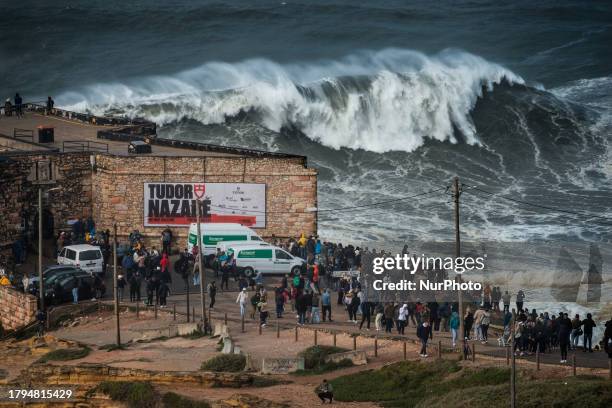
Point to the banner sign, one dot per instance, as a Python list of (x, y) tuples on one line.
[(174, 204)]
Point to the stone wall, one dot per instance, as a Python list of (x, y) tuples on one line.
[(17, 309), (19, 194), (291, 188)]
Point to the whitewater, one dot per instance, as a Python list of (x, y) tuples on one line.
[(379, 101)]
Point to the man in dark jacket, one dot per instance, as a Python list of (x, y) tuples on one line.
[(423, 334), (587, 328), (565, 328), (301, 307)]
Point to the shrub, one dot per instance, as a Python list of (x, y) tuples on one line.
[(134, 394), (172, 400), (315, 356), (225, 362), (65, 354)]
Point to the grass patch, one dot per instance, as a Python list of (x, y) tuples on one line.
[(261, 381), (113, 346), (65, 354), (173, 400), (198, 334), (443, 384), (315, 356), (326, 367), (225, 363), (133, 394)]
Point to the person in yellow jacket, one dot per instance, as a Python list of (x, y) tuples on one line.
[(302, 245), (4, 281)]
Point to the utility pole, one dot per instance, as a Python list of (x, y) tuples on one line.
[(41, 289), (201, 269), (513, 366), (456, 194), (116, 291)]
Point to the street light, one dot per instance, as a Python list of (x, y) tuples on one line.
[(41, 288)]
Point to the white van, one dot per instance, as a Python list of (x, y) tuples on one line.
[(267, 259), (213, 233), (223, 246), (85, 256)]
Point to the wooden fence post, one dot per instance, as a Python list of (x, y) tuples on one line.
[(440, 349), (376, 347), (574, 363), (335, 341), (296, 334), (354, 342), (174, 311), (405, 354), (315, 337), (474, 352)]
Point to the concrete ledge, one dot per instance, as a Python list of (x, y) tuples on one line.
[(281, 365), (358, 357), (185, 329)]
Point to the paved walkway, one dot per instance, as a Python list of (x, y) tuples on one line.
[(226, 304)]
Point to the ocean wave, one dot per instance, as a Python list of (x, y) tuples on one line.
[(381, 101)]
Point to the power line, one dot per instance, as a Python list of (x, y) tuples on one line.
[(545, 207), (378, 203)]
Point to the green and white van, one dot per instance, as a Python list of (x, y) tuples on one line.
[(267, 259), (213, 233)]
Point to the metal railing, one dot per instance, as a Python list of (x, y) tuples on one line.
[(23, 134), (84, 146)]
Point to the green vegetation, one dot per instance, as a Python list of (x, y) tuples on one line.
[(314, 360), (133, 394), (197, 334), (225, 362), (173, 400), (262, 381), (65, 354), (443, 384), (315, 356), (113, 346)]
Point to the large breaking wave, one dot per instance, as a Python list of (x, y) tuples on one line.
[(392, 99)]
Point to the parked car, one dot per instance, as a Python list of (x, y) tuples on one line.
[(48, 272), (86, 257), (61, 289)]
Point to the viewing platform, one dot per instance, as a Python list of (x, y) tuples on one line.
[(75, 132)]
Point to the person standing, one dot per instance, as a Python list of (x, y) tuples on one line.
[(389, 311), (576, 331), (75, 290), (212, 293), (506, 300), (242, 300), (314, 315), (423, 334), (379, 310), (484, 325), (166, 238), (162, 292), (18, 105), (454, 327), (565, 328), (50, 103), (401, 318), (520, 300), (326, 304), (587, 325), (120, 287), (365, 314)]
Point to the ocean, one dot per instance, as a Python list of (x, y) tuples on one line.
[(389, 100)]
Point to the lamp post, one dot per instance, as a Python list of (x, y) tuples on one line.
[(41, 285)]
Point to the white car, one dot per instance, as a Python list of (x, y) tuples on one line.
[(85, 256)]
